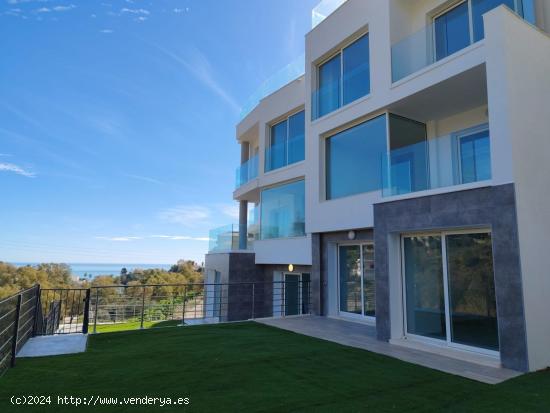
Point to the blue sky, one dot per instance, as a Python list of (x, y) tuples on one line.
[(117, 121)]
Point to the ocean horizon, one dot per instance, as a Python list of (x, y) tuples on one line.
[(92, 270)]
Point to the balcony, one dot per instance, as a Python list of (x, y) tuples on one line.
[(226, 238), (246, 172), (450, 32), (456, 159)]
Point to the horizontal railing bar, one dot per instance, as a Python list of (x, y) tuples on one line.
[(7, 342), (33, 298), (8, 354), (197, 284), (25, 323), (8, 313), (7, 328), (11, 297), (72, 289)]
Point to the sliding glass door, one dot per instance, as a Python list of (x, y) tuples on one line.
[(357, 284), (449, 288), (424, 290), (472, 302)]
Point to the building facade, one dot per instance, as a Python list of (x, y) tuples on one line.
[(403, 178)]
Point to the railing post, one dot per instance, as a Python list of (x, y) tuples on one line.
[(95, 309), (86, 320), (36, 310), (142, 307), (253, 296), (183, 312), (15, 330)]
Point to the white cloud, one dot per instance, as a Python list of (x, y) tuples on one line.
[(6, 154), (199, 66), (178, 11), (180, 237), (26, 1), (165, 237), (134, 11), (64, 8), (187, 215), (106, 31), (119, 239), (10, 167), (43, 10), (145, 179)]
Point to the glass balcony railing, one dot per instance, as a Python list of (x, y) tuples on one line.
[(226, 238), (287, 74), (332, 96), (443, 38), (324, 9), (246, 172), (437, 163), (286, 153)]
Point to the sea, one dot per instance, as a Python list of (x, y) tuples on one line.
[(83, 270)]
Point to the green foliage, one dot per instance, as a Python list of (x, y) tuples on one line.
[(14, 279)]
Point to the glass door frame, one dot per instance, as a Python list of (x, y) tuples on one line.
[(346, 314), (447, 342)]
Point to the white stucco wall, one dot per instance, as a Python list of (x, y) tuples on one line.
[(518, 68), (295, 251)]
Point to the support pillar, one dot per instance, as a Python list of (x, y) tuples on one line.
[(243, 227)]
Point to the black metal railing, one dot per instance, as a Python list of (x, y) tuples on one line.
[(157, 305), (36, 311), (17, 320), (63, 311)]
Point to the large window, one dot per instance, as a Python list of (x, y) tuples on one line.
[(343, 79), (462, 24), (283, 211), (450, 288), (353, 159), (286, 144)]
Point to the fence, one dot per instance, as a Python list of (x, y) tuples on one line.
[(36, 311), (17, 319), (114, 308)]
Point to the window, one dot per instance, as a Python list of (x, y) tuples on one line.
[(462, 25), (475, 157), (454, 302), (407, 167), (283, 211), (343, 79), (329, 86), (480, 7), (286, 144), (353, 159), (452, 31)]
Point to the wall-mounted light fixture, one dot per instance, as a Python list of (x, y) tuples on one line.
[(351, 235), (290, 267)]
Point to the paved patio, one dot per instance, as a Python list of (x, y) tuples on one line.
[(54, 345), (363, 336)]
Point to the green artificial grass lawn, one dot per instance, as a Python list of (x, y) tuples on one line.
[(134, 325), (251, 367)]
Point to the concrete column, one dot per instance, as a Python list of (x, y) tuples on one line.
[(243, 227), (245, 151)]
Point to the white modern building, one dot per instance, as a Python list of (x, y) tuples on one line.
[(405, 179)]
